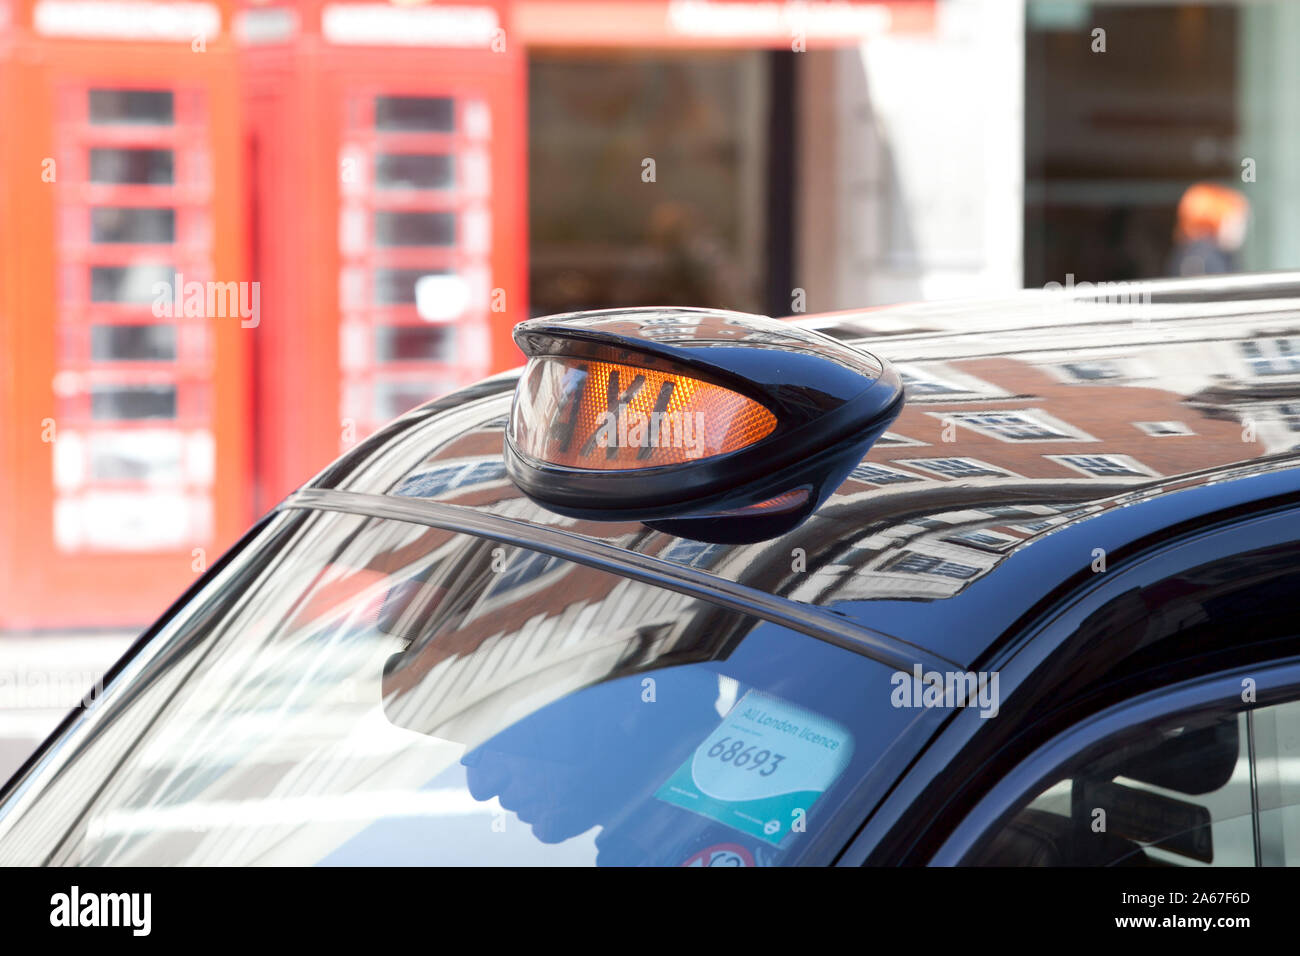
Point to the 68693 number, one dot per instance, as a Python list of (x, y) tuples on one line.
[(738, 755)]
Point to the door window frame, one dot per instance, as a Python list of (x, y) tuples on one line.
[(1128, 722), (888, 834)]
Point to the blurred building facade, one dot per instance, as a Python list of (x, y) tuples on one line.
[(348, 205)]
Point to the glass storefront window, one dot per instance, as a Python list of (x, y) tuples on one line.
[(132, 107), (131, 167), (132, 224), (132, 343), (413, 171), (129, 402), (415, 114), (418, 343), (415, 228)]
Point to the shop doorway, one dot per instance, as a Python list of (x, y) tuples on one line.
[(661, 179)]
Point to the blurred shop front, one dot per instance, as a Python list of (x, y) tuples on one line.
[(669, 153), (338, 204), (1129, 105), (805, 156)]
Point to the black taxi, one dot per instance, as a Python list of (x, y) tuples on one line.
[(1009, 582)]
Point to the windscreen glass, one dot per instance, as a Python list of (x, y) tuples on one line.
[(363, 691)]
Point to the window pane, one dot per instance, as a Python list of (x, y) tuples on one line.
[(1180, 796), (414, 343), (451, 479), (1277, 756), (413, 171), (127, 402), (695, 240), (415, 228), (397, 286), (1012, 426), (132, 343), (134, 167), (153, 107), (408, 695), (397, 398), (128, 284), (132, 224), (881, 475), (136, 456), (415, 114), (911, 562), (1092, 371)]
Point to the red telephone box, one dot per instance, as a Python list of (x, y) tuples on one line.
[(236, 238), (127, 466), (390, 220), (331, 195)]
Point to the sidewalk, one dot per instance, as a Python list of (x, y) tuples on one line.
[(43, 676)]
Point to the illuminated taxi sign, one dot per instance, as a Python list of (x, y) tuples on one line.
[(607, 416), (707, 419)]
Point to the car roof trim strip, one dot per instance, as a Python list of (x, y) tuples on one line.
[(809, 620)]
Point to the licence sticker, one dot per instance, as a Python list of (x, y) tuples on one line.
[(762, 769)]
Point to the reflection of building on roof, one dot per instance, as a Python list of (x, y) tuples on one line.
[(937, 382), (439, 480), (1105, 466), (1007, 434), (1100, 423), (956, 467), (1030, 424), (919, 558), (874, 474)]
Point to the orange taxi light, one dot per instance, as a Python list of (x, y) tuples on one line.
[(605, 416)]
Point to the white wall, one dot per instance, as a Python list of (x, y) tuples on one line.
[(912, 156), (1269, 71)]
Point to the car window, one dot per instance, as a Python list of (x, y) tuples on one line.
[(1277, 768), (358, 690), (1219, 789)]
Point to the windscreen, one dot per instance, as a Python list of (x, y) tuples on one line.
[(361, 691)]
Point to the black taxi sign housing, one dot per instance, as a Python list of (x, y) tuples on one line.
[(704, 420)]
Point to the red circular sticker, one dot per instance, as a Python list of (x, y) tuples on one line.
[(722, 854)]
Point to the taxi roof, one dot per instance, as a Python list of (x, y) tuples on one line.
[(1037, 428)]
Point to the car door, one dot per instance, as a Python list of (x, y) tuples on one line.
[(1200, 774), (1217, 604)]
